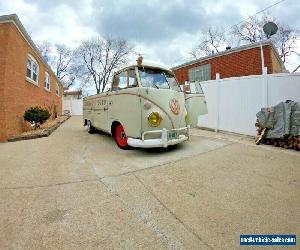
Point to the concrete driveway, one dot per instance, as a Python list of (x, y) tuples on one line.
[(74, 190)]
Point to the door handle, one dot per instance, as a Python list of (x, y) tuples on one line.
[(110, 103)]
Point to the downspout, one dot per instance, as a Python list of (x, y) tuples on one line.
[(262, 58)]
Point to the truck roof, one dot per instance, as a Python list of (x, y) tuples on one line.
[(146, 65)]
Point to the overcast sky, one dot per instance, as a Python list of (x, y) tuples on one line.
[(164, 30)]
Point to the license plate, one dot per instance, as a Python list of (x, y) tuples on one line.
[(172, 135)]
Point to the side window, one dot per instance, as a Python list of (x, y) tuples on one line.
[(132, 82), (32, 69), (201, 73), (47, 81), (120, 81)]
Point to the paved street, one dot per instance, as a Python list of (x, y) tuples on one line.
[(74, 190)]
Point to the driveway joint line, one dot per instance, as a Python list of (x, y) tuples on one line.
[(111, 176), (49, 185), (163, 164), (161, 235), (172, 213)]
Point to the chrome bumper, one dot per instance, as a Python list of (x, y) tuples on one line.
[(161, 142)]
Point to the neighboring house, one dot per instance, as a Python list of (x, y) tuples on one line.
[(72, 102), (233, 62), (72, 94), (26, 79)]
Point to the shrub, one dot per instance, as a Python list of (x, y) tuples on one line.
[(36, 115)]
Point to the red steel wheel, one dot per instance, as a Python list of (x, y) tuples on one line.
[(121, 137)]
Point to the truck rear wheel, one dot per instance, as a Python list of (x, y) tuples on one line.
[(120, 137), (90, 127)]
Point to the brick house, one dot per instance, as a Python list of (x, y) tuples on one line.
[(26, 79), (241, 61)]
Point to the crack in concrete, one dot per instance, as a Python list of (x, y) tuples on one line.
[(165, 163), (172, 213), (48, 185), (140, 216), (99, 177), (144, 218)]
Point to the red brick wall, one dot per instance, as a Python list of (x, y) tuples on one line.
[(3, 48), (19, 94), (242, 63)]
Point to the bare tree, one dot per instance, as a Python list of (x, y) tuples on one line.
[(298, 67), (212, 40), (97, 58), (250, 31), (64, 65), (61, 59), (284, 40), (45, 49)]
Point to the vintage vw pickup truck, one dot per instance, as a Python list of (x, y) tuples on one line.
[(145, 107)]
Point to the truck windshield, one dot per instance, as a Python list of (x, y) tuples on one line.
[(157, 78)]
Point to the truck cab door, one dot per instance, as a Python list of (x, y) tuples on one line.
[(101, 114), (124, 103), (195, 103)]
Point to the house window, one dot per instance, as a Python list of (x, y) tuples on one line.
[(47, 81), (32, 70), (199, 74), (57, 89)]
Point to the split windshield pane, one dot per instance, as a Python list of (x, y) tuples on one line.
[(157, 78)]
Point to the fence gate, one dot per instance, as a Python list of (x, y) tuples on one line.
[(74, 107)]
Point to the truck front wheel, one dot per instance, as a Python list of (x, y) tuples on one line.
[(120, 137), (90, 127)]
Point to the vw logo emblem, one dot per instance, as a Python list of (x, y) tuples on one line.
[(174, 106)]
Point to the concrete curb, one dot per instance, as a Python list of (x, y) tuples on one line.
[(44, 133)]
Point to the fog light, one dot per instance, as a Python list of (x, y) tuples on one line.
[(154, 119)]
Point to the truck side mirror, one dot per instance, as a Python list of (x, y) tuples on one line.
[(186, 87)]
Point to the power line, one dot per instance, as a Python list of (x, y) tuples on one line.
[(245, 19), (268, 7)]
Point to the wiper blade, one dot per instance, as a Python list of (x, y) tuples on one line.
[(155, 85)]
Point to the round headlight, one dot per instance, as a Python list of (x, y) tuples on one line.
[(154, 119)]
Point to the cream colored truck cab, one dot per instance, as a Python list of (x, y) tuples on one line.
[(195, 102), (144, 107)]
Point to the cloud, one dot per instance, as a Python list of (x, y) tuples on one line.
[(164, 30), (154, 21)]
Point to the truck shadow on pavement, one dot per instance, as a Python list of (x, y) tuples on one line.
[(160, 150), (103, 153)]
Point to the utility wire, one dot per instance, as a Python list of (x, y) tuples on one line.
[(268, 7), (243, 20)]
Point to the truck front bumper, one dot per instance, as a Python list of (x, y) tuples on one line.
[(164, 141)]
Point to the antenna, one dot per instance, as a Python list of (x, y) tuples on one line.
[(270, 29)]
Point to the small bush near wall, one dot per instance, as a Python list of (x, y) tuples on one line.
[(36, 115)]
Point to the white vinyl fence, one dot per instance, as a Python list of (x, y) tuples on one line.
[(233, 102), (74, 106)]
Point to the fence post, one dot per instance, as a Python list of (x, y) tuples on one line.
[(218, 102)]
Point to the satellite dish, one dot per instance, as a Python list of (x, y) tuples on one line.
[(270, 29)]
